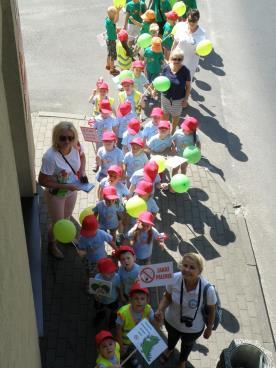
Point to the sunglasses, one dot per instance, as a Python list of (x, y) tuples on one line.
[(177, 59), (192, 21), (64, 138)]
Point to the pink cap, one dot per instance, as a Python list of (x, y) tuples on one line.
[(110, 193), (138, 141), (105, 106), (164, 124), (143, 187), (138, 64), (146, 217), (157, 112), (106, 265), (189, 124), (123, 35), (115, 169), (102, 335), (133, 126), (137, 288), (124, 248), (171, 15), (127, 81), (124, 109), (89, 226), (103, 85), (150, 171), (109, 136)]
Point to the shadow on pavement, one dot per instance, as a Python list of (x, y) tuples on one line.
[(229, 322), (214, 63)]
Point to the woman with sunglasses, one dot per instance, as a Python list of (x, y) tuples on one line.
[(181, 308), (187, 38), (176, 97), (62, 164)]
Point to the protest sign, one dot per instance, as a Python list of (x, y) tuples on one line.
[(100, 287), (147, 341), (174, 161), (156, 274), (89, 134)]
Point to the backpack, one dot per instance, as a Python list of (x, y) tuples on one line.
[(218, 310)]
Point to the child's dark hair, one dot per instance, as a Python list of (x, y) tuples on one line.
[(136, 233), (193, 15), (128, 50)]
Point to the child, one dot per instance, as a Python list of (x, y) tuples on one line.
[(108, 155), (108, 350), (114, 178), (132, 95), (140, 80), (167, 39), (129, 315), (142, 235), (111, 37), (133, 131), (148, 173), (161, 143), (92, 243), (154, 58), (154, 30), (104, 121), (160, 7), (107, 304), (134, 10), (128, 271), (124, 114), (99, 95), (124, 53), (148, 17), (135, 159), (151, 128), (109, 211), (184, 137), (144, 190)]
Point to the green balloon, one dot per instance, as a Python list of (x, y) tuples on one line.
[(180, 183), (144, 40), (161, 84), (64, 231), (192, 154), (172, 2), (135, 206), (126, 74)]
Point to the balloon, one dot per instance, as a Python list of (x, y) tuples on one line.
[(119, 3), (161, 84), (125, 74), (161, 162), (192, 154), (178, 27), (144, 40), (135, 206), (86, 212), (179, 8), (64, 231), (180, 183), (204, 48)]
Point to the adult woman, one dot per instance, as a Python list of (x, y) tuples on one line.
[(182, 303), (176, 98), (187, 38), (62, 164)]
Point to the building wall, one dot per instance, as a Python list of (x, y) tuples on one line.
[(19, 345)]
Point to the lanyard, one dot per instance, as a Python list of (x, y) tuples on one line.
[(198, 299)]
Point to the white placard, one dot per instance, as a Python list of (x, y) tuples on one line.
[(158, 274), (100, 287), (89, 134), (174, 161), (147, 341)]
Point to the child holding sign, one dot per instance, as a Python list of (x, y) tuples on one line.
[(108, 350)]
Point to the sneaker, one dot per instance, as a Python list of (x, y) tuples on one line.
[(54, 251)]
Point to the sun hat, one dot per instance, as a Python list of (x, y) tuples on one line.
[(109, 136), (189, 124), (138, 64), (106, 265), (143, 187), (171, 15), (127, 81), (156, 44), (157, 112), (89, 226), (138, 141), (103, 85), (110, 193), (136, 287), (124, 248), (133, 126), (164, 124), (105, 106), (150, 171), (148, 16), (146, 217), (102, 335), (123, 35), (124, 109), (115, 169)]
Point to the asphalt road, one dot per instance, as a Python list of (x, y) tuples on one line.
[(233, 96)]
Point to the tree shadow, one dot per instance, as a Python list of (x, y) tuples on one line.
[(214, 63), (229, 322)]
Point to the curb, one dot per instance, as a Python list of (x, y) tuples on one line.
[(60, 115)]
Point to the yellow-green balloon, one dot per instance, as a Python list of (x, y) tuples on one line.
[(161, 84), (86, 212), (179, 8), (126, 74), (64, 231), (135, 206), (144, 40), (161, 162), (180, 183), (204, 48), (119, 3), (192, 154)]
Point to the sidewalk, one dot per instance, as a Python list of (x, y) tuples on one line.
[(203, 221)]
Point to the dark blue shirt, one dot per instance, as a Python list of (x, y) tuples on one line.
[(177, 89)]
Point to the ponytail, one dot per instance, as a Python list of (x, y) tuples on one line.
[(127, 48)]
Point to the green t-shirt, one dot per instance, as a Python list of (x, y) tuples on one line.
[(145, 28), (135, 10), (167, 40), (110, 27), (160, 5), (153, 60)]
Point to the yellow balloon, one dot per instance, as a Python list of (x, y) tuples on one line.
[(179, 8), (204, 48), (177, 27), (119, 3), (86, 212), (161, 162)]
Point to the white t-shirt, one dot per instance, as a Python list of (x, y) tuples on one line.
[(189, 304), (187, 42)]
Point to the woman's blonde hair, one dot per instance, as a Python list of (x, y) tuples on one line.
[(63, 125), (177, 53), (194, 257)]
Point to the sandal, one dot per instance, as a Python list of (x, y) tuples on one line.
[(107, 67), (165, 356), (114, 72)]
